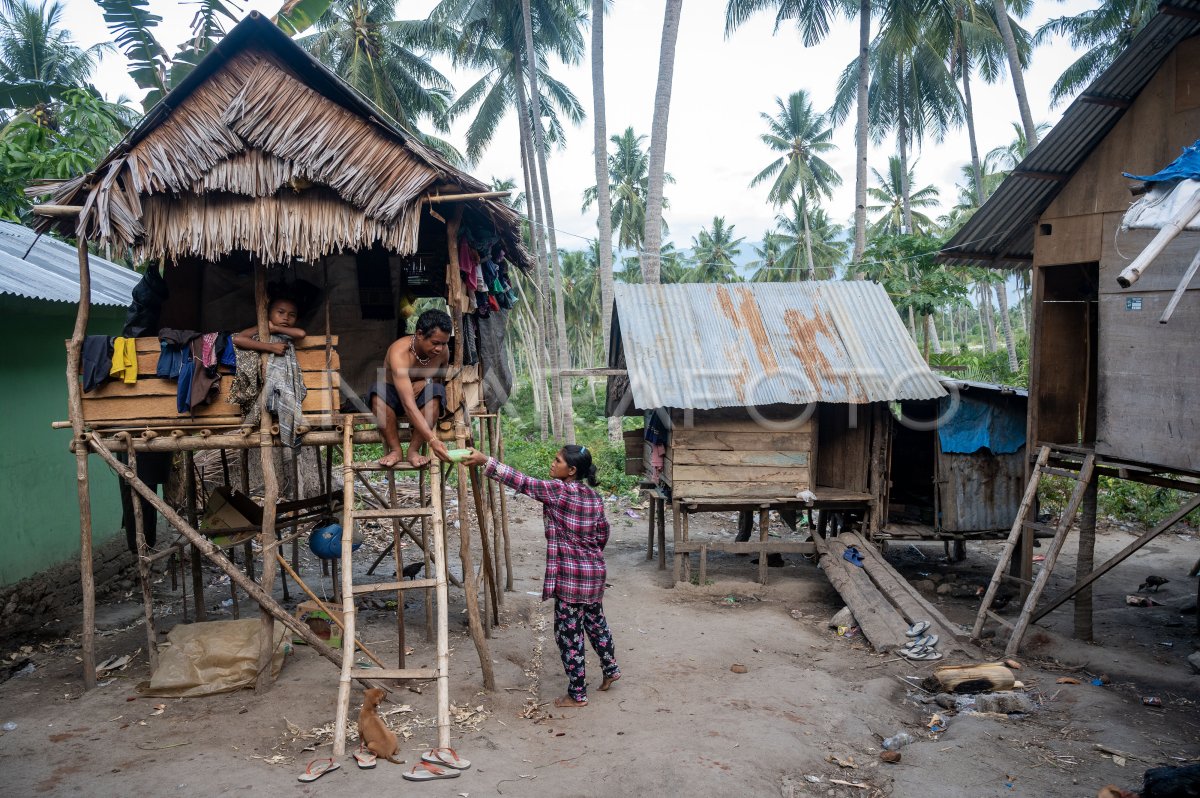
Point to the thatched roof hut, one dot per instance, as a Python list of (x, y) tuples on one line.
[(262, 149)]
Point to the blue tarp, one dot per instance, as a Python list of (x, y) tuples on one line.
[(977, 425), (1185, 167)]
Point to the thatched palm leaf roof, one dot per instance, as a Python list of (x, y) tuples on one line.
[(261, 149)]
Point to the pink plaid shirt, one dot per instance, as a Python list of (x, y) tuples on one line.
[(576, 533)]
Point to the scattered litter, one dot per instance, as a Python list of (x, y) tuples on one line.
[(855, 784), (633, 514), (738, 667), (113, 664), (1039, 558), (937, 724), (1067, 680), (1152, 701), (1166, 644), (1099, 681), (1141, 601), (813, 779), (158, 709), (847, 763), (1013, 664), (891, 757), (897, 741), (9, 726)]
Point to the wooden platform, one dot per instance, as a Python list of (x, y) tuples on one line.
[(884, 604)]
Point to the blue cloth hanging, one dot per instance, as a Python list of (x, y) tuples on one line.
[(1185, 167)]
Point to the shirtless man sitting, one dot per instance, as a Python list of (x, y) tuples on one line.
[(414, 368)]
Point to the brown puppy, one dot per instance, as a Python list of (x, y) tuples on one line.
[(373, 732)]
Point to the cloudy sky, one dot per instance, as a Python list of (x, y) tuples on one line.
[(721, 86)]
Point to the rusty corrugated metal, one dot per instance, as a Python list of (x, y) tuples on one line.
[(1001, 232), (702, 346)]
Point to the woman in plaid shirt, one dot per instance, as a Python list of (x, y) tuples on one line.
[(576, 534)]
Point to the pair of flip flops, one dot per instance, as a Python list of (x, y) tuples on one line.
[(922, 647), (853, 556), (438, 763)]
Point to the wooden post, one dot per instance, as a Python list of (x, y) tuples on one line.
[(442, 555), (349, 610), (764, 526), (247, 549), (489, 573), (266, 538), (87, 581), (651, 523), (143, 563), (197, 570), (508, 566), (431, 473), (662, 534), (676, 512), (1086, 559), (455, 399), (397, 555)]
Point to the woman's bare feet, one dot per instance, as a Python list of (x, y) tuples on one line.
[(608, 681), (566, 701), (391, 459)]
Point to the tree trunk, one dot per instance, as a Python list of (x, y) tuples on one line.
[(905, 203), (1018, 75), (811, 273), (925, 337), (989, 321), (1006, 325), (562, 350), (652, 246), (537, 234), (931, 336), (1085, 559), (603, 200), (969, 111), (860, 137)]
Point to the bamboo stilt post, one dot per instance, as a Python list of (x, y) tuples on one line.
[(494, 509), (247, 549), (489, 573), (295, 496), (218, 558), (454, 399), (87, 581), (197, 570), (266, 537), (349, 612), (508, 566), (1086, 559), (397, 530), (143, 566), (432, 473), (233, 594), (442, 556), (764, 527)]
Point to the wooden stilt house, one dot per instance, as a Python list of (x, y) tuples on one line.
[(1111, 388), (763, 396), (263, 167)]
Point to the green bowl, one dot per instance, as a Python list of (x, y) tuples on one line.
[(458, 455)]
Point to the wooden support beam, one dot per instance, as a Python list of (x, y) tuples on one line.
[(58, 211), (1176, 11), (266, 538), (434, 198), (1119, 557), (87, 580)]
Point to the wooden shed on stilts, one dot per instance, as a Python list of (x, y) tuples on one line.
[(1112, 373), (262, 166)]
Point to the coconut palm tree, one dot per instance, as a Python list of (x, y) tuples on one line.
[(1016, 69), (825, 238), (713, 253), (1008, 156), (813, 18), (674, 267), (889, 197), (766, 263), (38, 58), (1102, 33), (629, 187), (799, 135), (385, 59), (658, 141)]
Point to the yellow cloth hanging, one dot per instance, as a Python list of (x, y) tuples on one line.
[(124, 363)]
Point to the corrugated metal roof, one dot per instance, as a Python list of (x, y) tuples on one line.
[(704, 346), (51, 270), (1002, 230)]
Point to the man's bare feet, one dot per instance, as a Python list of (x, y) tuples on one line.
[(608, 681), (415, 458), (565, 701), (391, 459)]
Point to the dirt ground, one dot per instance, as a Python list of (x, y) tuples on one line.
[(678, 723)]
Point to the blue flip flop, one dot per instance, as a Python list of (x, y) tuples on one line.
[(853, 555)]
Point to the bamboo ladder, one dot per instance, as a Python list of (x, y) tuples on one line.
[(1042, 467), (431, 515)]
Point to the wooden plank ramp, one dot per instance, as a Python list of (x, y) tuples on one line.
[(884, 604)]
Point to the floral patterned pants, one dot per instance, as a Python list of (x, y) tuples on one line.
[(571, 622)]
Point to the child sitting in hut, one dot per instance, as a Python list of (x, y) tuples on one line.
[(284, 382)]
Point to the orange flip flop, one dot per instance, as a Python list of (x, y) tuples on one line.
[(317, 768), (424, 771), (447, 757)]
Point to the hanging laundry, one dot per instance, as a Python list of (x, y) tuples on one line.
[(183, 392), (97, 360), (243, 392), (228, 356), (124, 360), (170, 360), (468, 264), (148, 297), (208, 349), (205, 379)]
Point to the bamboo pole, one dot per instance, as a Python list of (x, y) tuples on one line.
[(349, 610), (508, 565), (218, 557), (266, 537), (433, 198), (485, 555), (1177, 295), (197, 570), (1165, 236), (398, 531), (433, 473), (455, 399), (144, 573), (442, 556), (87, 581)]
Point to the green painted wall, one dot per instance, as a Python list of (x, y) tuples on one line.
[(40, 524)]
